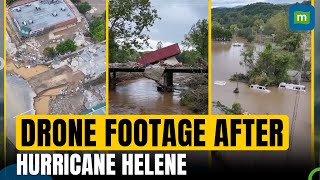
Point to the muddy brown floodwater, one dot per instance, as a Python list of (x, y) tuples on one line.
[(140, 96), (225, 62)]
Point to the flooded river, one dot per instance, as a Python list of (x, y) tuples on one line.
[(225, 62), (140, 96)]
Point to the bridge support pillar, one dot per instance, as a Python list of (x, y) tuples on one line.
[(168, 81), (114, 75), (112, 79)]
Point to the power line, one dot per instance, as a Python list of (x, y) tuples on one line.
[(296, 103)]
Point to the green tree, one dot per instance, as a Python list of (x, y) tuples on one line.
[(49, 52), (128, 19), (280, 26), (258, 23), (234, 29), (198, 38), (83, 7), (297, 59), (98, 28), (189, 57), (292, 42), (248, 60), (270, 68), (10, 1), (66, 46), (236, 108)]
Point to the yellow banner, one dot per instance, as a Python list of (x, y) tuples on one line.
[(152, 132)]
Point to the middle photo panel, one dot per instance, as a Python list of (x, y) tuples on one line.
[(158, 57)]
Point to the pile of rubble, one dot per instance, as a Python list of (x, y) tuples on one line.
[(11, 47), (95, 96), (89, 60), (156, 71)]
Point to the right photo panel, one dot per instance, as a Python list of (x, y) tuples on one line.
[(260, 66)]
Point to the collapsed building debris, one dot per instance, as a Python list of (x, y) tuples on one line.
[(154, 72), (55, 78), (96, 96), (11, 47), (89, 60)]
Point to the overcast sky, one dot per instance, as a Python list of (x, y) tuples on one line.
[(233, 3), (177, 17)]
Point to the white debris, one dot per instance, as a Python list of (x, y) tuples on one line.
[(62, 63), (79, 39), (220, 83), (92, 49), (11, 48), (74, 63), (92, 10), (91, 61), (52, 36), (171, 61)]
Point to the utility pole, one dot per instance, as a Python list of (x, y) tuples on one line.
[(296, 103)]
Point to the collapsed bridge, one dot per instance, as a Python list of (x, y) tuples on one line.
[(157, 65)]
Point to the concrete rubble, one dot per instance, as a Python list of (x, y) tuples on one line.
[(154, 72), (91, 61), (92, 10), (80, 39), (171, 62), (11, 47), (28, 53), (96, 96)]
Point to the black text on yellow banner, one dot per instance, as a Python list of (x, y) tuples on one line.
[(152, 132)]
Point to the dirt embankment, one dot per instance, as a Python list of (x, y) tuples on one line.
[(48, 84)]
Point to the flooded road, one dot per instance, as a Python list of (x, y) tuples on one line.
[(225, 62), (140, 96)]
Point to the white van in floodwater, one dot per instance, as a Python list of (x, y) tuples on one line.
[(220, 83), (295, 87), (260, 88)]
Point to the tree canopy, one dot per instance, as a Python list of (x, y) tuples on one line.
[(129, 19), (98, 28), (128, 22), (198, 38), (251, 20)]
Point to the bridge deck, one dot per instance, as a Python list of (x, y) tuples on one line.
[(173, 70)]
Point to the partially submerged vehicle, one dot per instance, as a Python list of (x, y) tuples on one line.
[(220, 83), (295, 87), (259, 88), (236, 44)]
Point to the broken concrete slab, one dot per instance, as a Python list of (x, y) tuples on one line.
[(154, 72)]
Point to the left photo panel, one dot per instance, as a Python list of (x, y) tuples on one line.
[(55, 60), (2, 159)]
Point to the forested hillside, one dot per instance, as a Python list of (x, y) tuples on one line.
[(247, 20)]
